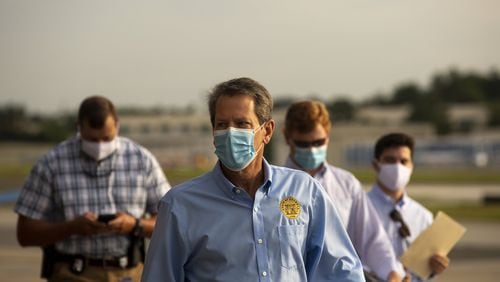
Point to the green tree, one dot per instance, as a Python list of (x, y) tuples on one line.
[(55, 129), (455, 87), (408, 93), (342, 110), (430, 108), (494, 114), (491, 87), (13, 119)]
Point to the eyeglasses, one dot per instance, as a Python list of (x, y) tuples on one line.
[(404, 231), (307, 144)]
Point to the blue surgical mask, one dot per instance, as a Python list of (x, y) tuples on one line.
[(234, 147), (310, 158)]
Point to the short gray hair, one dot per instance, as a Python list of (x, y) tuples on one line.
[(242, 86)]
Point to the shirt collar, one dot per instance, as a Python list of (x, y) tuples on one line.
[(387, 199), (228, 187), (268, 176)]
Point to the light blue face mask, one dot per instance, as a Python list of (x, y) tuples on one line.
[(234, 147), (310, 158)]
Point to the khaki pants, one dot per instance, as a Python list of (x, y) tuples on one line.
[(94, 273)]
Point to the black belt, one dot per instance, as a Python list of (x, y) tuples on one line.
[(120, 262)]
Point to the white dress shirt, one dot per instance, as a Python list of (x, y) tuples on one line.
[(359, 218), (416, 217)]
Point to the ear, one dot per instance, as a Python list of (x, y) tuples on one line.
[(269, 127), (117, 127), (375, 165), (283, 133)]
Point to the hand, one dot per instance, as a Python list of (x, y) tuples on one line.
[(123, 223), (439, 263), (393, 277), (87, 224), (407, 278)]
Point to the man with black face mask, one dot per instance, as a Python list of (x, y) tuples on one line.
[(91, 200), (403, 218), (247, 220)]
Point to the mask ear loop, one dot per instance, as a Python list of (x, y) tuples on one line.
[(78, 131), (262, 143)]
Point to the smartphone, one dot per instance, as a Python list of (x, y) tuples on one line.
[(105, 218)]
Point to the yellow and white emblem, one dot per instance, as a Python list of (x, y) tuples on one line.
[(290, 207)]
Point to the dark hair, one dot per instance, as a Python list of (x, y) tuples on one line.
[(303, 117), (392, 140), (95, 110), (242, 86)]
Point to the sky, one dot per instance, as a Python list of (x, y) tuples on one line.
[(147, 53)]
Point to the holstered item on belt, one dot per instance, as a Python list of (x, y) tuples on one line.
[(77, 265), (136, 251), (48, 261)]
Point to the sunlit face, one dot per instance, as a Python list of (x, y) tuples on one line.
[(105, 134), (236, 111), (395, 155), (315, 138), (239, 112)]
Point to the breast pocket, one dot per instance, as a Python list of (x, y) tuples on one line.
[(292, 245)]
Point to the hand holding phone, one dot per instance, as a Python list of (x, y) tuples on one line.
[(105, 218)]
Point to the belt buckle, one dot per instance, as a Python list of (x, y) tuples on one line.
[(123, 262)]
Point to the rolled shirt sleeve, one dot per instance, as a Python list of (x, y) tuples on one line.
[(370, 239), (332, 256)]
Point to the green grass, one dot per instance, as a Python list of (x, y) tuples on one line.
[(365, 175), (13, 176), (18, 170), (178, 175), (488, 212)]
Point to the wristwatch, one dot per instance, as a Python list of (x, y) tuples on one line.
[(138, 229)]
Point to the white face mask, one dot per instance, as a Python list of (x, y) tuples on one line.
[(99, 150), (394, 176)]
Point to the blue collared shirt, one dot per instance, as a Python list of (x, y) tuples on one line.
[(209, 230), (416, 216), (360, 219)]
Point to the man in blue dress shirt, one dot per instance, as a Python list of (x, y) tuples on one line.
[(247, 220), (403, 218)]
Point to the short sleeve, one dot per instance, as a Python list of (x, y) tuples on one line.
[(36, 197), (157, 184)]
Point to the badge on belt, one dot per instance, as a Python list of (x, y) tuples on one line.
[(290, 207)]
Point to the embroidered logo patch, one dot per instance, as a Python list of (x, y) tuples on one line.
[(290, 207)]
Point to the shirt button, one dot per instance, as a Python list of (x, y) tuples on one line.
[(264, 273), (260, 241), (255, 209), (237, 191)]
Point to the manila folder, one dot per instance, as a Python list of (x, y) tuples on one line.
[(438, 238)]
